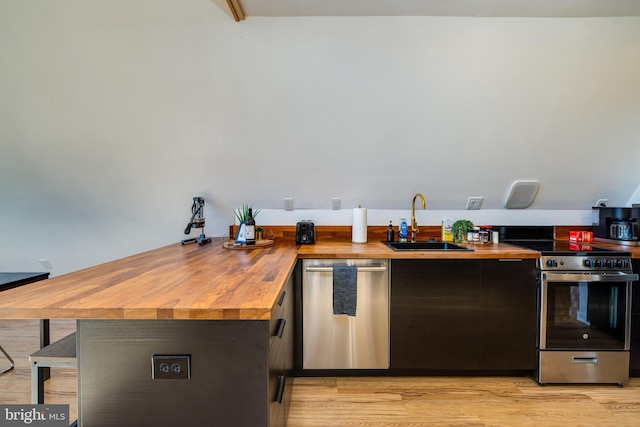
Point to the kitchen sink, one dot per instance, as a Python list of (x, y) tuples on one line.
[(425, 246)]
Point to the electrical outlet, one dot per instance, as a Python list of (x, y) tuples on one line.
[(335, 204), (177, 367), (601, 203), (288, 204), (474, 203)]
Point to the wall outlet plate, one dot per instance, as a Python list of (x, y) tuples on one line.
[(288, 204), (474, 203), (335, 204), (601, 203), (171, 367)]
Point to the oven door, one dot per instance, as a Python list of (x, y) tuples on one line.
[(585, 311)]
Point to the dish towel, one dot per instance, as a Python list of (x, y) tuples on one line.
[(345, 289)]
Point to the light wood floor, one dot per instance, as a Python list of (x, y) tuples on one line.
[(20, 338), (376, 402)]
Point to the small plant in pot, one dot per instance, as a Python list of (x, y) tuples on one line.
[(242, 214), (460, 228)]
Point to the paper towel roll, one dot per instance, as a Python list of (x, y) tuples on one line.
[(359, 226)]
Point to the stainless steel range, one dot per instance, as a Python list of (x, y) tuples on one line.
[(584, 300)]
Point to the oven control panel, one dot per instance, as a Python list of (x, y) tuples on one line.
[(588, 263)]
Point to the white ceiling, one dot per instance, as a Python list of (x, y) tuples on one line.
[(480, 8)]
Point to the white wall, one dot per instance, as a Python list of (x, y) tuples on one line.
[(115, 113)]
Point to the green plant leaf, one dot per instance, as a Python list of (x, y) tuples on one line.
[(243, 213), (460, 228)]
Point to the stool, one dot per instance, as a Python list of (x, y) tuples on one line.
[(8, 358), (61, 353)]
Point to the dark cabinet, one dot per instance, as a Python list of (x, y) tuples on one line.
[(434, 314), (508, 315), (281, 356), (463, 315), (634, 361)]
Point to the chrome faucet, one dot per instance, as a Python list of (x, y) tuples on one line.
[(414, 225)]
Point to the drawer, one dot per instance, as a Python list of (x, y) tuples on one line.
[(277, 384), (284, 301), (278, 405), (279, 316)]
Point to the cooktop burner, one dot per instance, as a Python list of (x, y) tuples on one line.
[(565, 248)]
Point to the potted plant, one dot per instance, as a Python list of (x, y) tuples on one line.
[(243, 213), (460, 228)]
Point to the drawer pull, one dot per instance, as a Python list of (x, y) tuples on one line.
[(329, 268), (281, 299), (281, 381), (281, 324), (585, 360)]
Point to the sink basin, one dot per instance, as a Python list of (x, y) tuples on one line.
[(425, 246)]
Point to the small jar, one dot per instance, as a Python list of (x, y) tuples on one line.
[(476, 235), (469, 235), (490, 232), (484, 235)]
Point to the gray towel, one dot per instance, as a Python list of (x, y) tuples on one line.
[(345, 289)]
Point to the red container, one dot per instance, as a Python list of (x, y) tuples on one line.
[(580, 236)]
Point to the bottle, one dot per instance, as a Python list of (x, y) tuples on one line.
[(390, 233), (251, 229), (447, 230), (403, 230)]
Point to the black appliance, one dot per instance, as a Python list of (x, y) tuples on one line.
[(584, 309), (305, 232), (616, 225)]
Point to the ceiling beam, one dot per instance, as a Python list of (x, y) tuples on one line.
[(236, 10)]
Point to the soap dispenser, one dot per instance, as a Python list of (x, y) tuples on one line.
[(390, 233)]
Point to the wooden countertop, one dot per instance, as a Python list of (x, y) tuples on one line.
[(201, 281), (377, 249), (172, 282)]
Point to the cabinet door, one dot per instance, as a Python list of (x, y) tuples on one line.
[(508, 315), (434, 314), (634, 361), (281, 356)]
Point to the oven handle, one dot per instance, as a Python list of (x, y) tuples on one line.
[(588, 277)]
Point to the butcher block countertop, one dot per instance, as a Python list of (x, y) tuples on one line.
[(378, 249), (173, 282), (198, 281)]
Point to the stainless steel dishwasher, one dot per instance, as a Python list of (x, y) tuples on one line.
[(339, 341)]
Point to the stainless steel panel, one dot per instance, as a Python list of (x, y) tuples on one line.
[(617, 276), (340, 341), (583, 367)]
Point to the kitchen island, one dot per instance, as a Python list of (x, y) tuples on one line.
[(227, 316), (180, 335)]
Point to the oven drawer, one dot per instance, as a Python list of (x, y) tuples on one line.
[(583, 367)]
